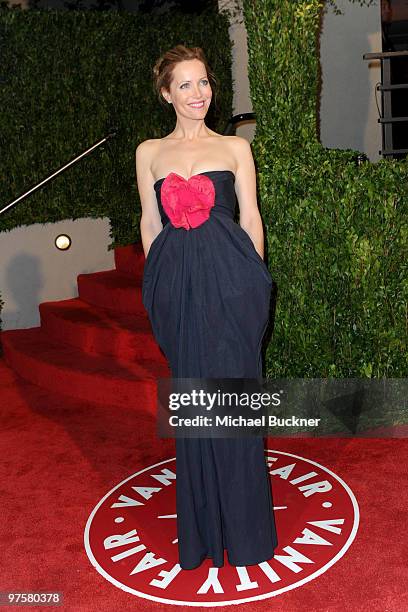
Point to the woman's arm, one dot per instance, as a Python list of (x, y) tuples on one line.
[(150, 221), (245, 187)]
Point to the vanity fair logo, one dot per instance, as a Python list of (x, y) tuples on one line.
[(131, 536)]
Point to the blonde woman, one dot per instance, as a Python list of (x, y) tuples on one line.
[(207, 290)]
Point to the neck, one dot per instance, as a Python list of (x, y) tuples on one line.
[(190, 130)]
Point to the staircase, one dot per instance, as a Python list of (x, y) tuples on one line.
[(98, 347)]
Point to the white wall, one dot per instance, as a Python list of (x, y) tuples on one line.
[(33, 270), (348, 111), (241, 102)]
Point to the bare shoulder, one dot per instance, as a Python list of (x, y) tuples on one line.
[(238, 143), (144, 154), (146, 145), (239, 149)]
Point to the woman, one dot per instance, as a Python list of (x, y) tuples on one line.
[(206, 290)]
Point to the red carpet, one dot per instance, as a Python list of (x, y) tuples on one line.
[(62, 454)]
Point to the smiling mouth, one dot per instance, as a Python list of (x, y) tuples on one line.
[(197, 104)]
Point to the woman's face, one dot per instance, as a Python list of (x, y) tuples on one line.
[(190, 90)]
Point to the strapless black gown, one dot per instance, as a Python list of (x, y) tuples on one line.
[(207, 294)]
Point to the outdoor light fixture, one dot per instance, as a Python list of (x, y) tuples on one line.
[(63, 242)]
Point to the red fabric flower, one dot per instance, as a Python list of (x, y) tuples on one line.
[(187, 202)]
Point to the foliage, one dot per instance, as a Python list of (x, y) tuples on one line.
[(336, 230)]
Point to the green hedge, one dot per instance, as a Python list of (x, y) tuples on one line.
[(336, 231), (69, 76)]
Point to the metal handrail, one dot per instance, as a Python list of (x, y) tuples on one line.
[(112, 134), (235, 119), (386, 87), (384, 54)]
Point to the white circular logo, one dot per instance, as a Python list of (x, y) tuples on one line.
[(131, 536)]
